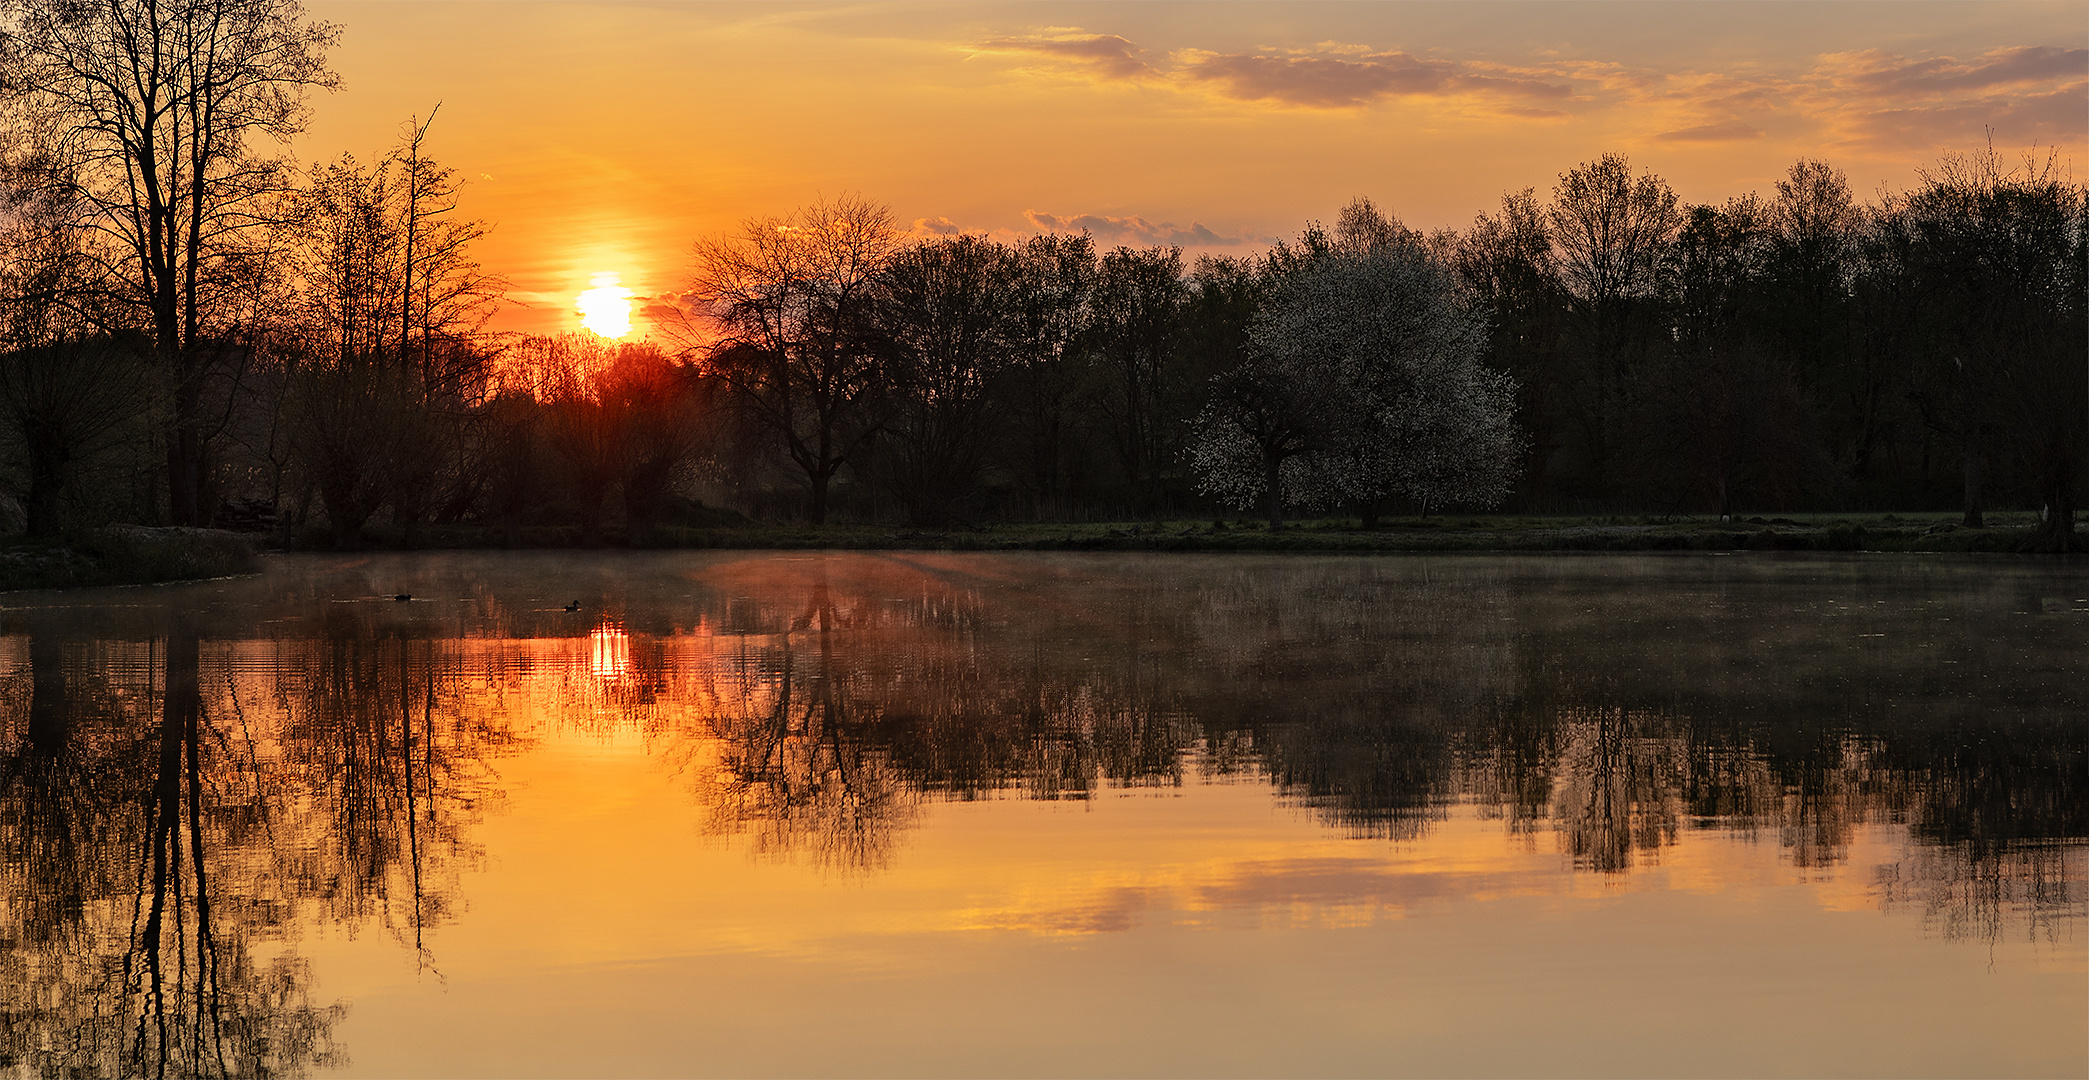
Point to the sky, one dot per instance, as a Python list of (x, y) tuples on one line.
[(602, 139)]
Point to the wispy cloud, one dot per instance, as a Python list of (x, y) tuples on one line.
[(1333, 81), (1330, 75), (1106, 54), (2023, 93), (1135, 230), (1871, 98), (1883, 73), (1726, 131)]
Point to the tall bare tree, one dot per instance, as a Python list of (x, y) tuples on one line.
[(153, 110), (1614, 236)]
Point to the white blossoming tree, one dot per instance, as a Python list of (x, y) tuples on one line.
[(1365, 386)]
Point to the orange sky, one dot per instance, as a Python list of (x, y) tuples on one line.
[(602, 138)]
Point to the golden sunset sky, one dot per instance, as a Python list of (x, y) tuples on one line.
[(604, 138)]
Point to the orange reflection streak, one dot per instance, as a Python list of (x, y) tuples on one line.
[(609, 652)]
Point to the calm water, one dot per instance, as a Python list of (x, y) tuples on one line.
[(925, 814)]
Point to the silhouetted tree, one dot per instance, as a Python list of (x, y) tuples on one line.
[(1730, 402), (1050, 300), (795, 302), (1506, 264), (945, 311), (1138, 302), (1996, 254), (63, 403), (156, 108), (1612, 236), (659, 414)]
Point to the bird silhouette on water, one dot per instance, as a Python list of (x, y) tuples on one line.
[(574, 606), (403, 597)]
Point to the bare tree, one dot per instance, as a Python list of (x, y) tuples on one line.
[(1505, 263), (67, 393), (391, 305), (1051, 294), (793, 299), (947, 319), (1997, 256), (150, 109), (1139, 300), (1613, 234)]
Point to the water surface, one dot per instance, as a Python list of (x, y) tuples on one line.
[(928, 814)]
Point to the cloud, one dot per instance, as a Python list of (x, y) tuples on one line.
[(1107, 54), (2028, 93), (2047, 118), (1727, 131), (1330, 75), (1336, 81), (1135, 230), (1883, 73), (936, 226), (1874, 99)]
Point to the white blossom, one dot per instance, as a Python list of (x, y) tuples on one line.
[(1365, 385)]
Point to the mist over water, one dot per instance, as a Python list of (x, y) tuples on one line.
[(931, 813)]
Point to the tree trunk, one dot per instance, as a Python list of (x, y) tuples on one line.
[(2056, 533), (1973, 518), (1273, 491), (645, 489), (184, 466), (346, 511), (591, 517), (818, 513), (185, 447), (46, 483)]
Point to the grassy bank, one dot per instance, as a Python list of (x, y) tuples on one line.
[(124, 555), (2007, 532), (132, 555)]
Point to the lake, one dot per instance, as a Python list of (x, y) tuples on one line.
[(1051, 815)]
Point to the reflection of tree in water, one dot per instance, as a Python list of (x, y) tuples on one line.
[(2025, 890), (797, 764), (1999, 811), (835, 720), (1378, 699), (127, 816), (160, 831), (389, 765)]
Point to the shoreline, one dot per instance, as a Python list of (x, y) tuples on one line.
[(137, 555)]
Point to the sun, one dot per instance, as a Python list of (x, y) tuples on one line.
[(606, 308)]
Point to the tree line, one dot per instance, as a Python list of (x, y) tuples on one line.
[(199, 331)]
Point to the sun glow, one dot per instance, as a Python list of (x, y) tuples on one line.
[(606, 308)]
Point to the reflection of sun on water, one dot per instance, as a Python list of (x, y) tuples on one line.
[(606, 308), (609, 652)]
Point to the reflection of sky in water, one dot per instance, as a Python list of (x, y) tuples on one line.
[(1011, 814)]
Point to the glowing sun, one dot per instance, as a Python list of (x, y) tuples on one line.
[(606, 308)]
